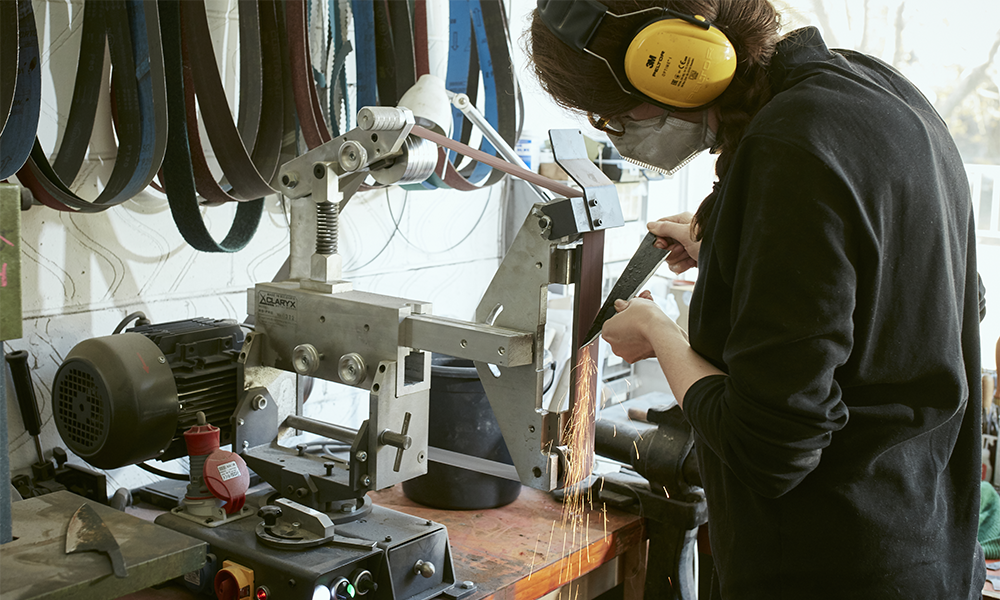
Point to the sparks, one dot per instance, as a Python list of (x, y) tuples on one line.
[(604, 513), (534, 553)]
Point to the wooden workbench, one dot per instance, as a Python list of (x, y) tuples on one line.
[(526, 549), (521, 551)]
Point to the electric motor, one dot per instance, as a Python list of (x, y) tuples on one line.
[(122, 399)]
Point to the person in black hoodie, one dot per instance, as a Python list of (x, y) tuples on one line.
[(832, 364)]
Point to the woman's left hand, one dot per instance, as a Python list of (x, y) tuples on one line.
[(633, 332)]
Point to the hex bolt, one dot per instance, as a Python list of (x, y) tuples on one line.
[(290, 179), (598, 222), (593, 202), (388, 538), (362, 456), (161, 359), (240, 422), (246, 444), (468, 585), (346, 508), (259, 402), (366, 481)]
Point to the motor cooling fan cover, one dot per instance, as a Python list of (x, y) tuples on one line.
[(115, 401)]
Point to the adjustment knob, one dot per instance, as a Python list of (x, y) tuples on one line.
[(424, 569), (270, 514)]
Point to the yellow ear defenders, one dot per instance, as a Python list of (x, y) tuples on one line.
[(675, 61)]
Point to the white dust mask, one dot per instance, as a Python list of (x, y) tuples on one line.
[(663, 143)]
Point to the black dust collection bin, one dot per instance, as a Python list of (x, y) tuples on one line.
[(461, 420)]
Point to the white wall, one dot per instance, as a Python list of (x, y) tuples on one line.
[(82, 273)]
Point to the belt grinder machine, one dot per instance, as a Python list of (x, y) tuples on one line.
[(316, 534)]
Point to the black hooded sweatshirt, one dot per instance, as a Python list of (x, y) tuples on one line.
[(837, 290)]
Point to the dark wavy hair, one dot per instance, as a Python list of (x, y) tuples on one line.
[(583, 83)]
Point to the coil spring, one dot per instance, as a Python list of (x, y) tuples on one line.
[(327, 217)]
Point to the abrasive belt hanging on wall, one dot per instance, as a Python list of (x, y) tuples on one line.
[(364, 56), (480, 46), (330, 58), (311, 121), (248, 165), (192, 73), (391, 53), (336, 74), (20, 84), (133, 34)]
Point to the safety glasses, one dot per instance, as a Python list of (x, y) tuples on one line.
[(612, 126)]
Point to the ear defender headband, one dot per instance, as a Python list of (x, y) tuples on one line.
[(675, 61)]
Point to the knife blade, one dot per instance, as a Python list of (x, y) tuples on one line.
[(640, 269), (87, 531)]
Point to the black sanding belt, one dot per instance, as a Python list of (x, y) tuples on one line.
[(249, 174), (137, 157), (20, 98), (178, 170)]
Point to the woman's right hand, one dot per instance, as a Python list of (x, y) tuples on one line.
[(674, 235)]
